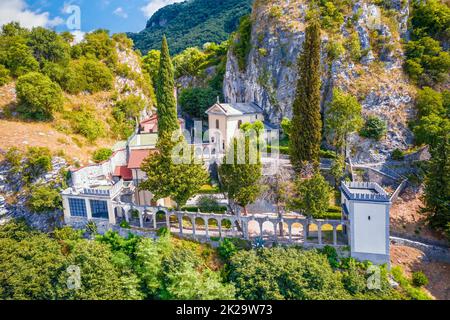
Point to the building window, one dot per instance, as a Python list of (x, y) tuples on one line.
[(77, 207), (239, 124), (212, 139), (217, 124), (99, 209)]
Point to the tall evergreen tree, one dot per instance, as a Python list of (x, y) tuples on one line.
[(167, 105), (180, 179), (437, 185), (305, 136)]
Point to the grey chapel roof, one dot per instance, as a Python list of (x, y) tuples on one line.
[(237, 109)]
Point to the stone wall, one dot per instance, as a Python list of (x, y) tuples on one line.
[(432, 252)]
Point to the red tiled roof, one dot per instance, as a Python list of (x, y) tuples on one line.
[(150, 124), (152, 119), (124, 172), (137, 157)]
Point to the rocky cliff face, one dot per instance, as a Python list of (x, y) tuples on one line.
[(376, 77)]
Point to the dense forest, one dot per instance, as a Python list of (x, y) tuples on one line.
[(113, 267), (191, 24)]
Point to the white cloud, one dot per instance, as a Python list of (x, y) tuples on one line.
[(153, 5), (121, 13), (16, 10)]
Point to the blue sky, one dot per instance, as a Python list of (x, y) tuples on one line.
[(114, 15)]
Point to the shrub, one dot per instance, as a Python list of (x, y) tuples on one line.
[(67, 233), (130, 106), (98, 45), (56, 72), (331, 254), (331, 14), (98, 76), (426, 61), (335, 49), (275, 12), (209, 189), (226, 249), (286, 125), (14, 157), (353, 46), (429, 102), (102, 154), (209, 204), (162, 232), (397, 154), (412, 292), (312, 196), (85, 123), (38, 96), (4, 75), (429, 128), (38, 161), (124, 224), (74, 80), (17, 56), (353, 279), (431, 18), (91, 227), (419, 279), (44, 199), (374, 128)]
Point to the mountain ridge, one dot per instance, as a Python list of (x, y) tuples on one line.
[(191, 24)]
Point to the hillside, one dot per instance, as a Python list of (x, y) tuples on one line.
[(191, 23), (103, 89)]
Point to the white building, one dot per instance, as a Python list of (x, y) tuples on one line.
[(366, 205), (96, 187), (225, 119)]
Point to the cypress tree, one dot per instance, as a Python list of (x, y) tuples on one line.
[(437, 185), (306, 130), (167, 105)]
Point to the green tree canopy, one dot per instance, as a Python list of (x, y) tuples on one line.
[(278, 274), (38, 96), (429, 101), (312, 196), (44, 199), (151, 64), (342, 118), (189, 62), (195, 101), (47, 45), (431, 18), (241, 170)]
